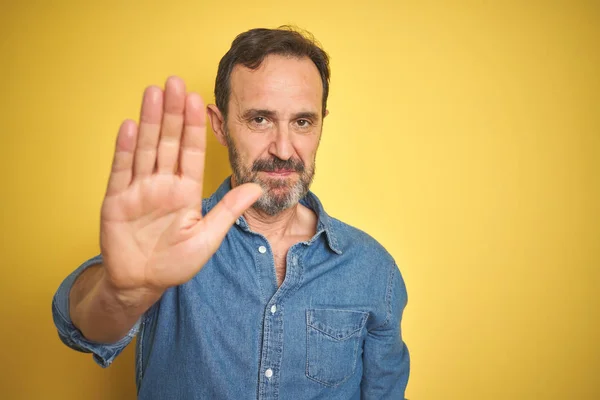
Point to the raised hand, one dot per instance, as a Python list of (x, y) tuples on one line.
[(153, 235)]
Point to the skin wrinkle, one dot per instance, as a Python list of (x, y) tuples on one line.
[(284, 102), (275, 122)]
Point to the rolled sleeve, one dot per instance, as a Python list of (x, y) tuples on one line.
[(386, 361), (104, 354)]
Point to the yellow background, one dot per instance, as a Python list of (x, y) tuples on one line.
[(464, 136)]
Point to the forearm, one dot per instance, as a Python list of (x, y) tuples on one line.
[(102, 313)]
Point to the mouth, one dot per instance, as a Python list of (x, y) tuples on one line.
[(280, 172)]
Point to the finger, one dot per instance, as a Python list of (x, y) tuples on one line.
[(149, 130), (172, 124), (193, 143), (122, 166), (215, 225)]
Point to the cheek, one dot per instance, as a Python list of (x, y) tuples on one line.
[(252, 150), (306, 148), (249, 146)]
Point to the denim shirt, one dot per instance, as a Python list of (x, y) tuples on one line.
[(330, 331)]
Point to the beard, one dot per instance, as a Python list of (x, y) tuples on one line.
[(279, 193)]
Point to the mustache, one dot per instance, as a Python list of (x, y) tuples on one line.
[(274, 164)]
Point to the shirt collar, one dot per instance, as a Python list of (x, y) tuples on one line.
[(325, 223)]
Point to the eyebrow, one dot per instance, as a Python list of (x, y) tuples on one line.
[(254, 112), (306, 115)]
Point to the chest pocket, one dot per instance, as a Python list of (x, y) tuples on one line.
[(333, 342)]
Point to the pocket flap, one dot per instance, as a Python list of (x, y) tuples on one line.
[(339, 324)]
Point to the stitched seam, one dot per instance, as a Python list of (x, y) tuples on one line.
[(140, 343), (363, 320), (307, 344), (346, 337), (60, 314), (351, 336), (89, 263), (388, 300), (329, 383)]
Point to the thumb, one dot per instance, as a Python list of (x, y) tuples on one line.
[(218, 221)]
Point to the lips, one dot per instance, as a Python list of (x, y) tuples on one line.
[(280, 172)]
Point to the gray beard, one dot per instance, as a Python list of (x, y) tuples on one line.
[(271, 202)]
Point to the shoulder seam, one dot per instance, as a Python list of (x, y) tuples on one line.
[(388, 300)]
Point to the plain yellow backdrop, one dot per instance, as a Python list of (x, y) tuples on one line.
[(463, 135)]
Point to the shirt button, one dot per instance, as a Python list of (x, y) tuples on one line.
[(237, 221), (269, 373), (273, 309), (262, 249)]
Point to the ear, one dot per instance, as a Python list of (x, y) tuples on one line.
[(326, 113), (217, 123)]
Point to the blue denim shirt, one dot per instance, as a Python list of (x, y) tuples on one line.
[(330, 331)]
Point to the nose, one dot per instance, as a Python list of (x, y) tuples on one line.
[(282, 146)]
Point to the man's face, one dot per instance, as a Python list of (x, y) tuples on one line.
[(273, 128)]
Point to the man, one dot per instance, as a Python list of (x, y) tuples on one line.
[(254, 292)]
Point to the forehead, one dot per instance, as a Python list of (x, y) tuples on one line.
[(279, 82)]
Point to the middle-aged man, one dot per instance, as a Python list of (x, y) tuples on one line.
[(254, 292)]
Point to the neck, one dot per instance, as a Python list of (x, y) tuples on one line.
[(285, 223), (294, 221)]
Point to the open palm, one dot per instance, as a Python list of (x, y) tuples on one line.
[(153, 234)]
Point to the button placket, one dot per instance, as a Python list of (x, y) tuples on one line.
[(273, 335)]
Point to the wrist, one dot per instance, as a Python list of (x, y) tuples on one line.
[(130, 301)]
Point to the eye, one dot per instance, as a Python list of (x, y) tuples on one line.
[(259, 123), (303, 123)]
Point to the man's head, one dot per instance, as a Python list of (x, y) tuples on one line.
[(271, 94)]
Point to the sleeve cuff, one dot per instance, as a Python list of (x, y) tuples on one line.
[(103, 353)]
